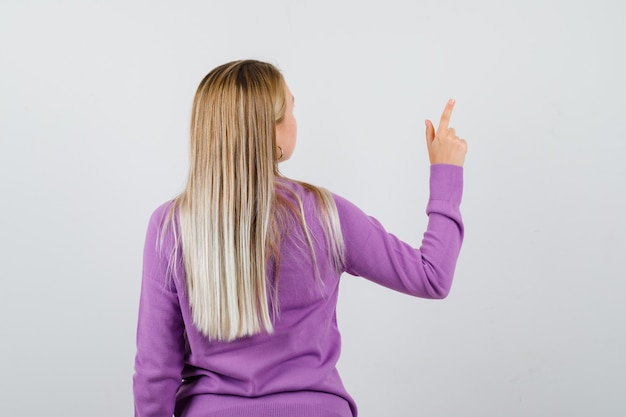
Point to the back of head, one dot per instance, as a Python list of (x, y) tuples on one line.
[(234, 116)]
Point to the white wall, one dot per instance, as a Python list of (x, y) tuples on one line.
[(94, 103)]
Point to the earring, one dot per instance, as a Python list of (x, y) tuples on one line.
[(281, 153)]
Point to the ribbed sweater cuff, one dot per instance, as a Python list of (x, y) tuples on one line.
[(446, 183)]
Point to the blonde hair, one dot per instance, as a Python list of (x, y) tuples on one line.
[(231, 217)]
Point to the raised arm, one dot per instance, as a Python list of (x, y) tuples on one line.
[(427, 271)]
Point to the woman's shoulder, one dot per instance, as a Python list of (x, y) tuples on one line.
[(163, 213), (346, 209)]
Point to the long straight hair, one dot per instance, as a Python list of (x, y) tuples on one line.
[(231, 217)]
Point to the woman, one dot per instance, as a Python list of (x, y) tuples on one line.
[(241, 270)]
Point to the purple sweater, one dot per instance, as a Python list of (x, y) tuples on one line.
[(292, 371)]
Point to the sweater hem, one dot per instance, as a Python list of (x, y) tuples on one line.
[(300, 404)]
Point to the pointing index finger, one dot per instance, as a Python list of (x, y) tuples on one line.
[(445, 117)]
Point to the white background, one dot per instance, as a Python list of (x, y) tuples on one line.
[(94, 107)]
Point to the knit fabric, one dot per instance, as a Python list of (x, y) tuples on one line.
[(290, 372)]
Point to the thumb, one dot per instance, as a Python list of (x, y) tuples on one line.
[(430, 132)]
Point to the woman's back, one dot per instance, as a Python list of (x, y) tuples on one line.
[(299, 357)]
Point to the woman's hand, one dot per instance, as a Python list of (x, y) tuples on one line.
[(445, 147)]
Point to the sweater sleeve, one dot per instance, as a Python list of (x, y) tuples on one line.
[(160, 334), (427, 271)]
